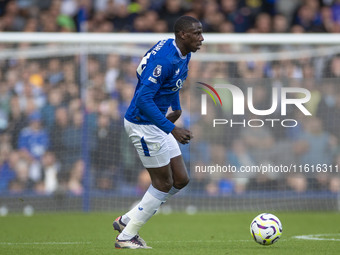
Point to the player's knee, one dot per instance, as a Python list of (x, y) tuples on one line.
[(163, 184), (168, 183), (180, 184)]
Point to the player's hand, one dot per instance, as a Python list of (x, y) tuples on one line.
[(182, 135)]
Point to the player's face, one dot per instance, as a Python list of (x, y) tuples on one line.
[(194, 38)]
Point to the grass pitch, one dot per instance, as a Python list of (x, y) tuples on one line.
[(175, 234)]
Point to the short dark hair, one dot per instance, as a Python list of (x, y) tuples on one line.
[(184, 23)]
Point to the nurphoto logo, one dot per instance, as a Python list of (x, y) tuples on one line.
[(280, 99)]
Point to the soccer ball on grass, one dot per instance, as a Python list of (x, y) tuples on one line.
[(266, 229)]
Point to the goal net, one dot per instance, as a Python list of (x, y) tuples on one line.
[(264, 111)]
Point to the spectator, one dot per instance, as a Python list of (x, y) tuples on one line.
[(212, 17), (161, 26), (330, 104), (226, 27), (5, 98), (18, 121), (112, 73), (332, 69), (55, 98), (33, 143), (7, 174), (22, 182), (308, 16), (197, 8), (239, 156), (54, 72), (56, 132), (106, 154), (71, 139), (328, 24), (171, 11), (263, 23), (11, 19), (336, 11), (259, 142), (240, 17), (34, 140), (297, 183), (280, 24), (50, 168), (297, 29), (319, 145), (75, 182), (118, 14)]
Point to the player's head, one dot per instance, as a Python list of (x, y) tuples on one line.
[(188, 32)]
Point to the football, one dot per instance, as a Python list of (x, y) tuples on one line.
[(266, 229)]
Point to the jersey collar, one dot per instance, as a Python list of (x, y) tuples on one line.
[(178, 50)]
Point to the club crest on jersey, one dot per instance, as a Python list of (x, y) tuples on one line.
[(157, 71)]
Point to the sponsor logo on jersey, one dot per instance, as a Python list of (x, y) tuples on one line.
[(179, 85), (157, 71)]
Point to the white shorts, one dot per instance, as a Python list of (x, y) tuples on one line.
[(155, 148)]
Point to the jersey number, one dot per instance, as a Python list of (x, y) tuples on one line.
[(142, 64)]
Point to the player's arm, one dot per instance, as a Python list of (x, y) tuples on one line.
[(147, 106), (182, 135), (173, 116), (176, 109), (152, 76), (151, 82)]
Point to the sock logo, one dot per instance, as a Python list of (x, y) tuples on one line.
[(140, 208)]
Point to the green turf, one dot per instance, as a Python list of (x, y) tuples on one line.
[(203, 233)]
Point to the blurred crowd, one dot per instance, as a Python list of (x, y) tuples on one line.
[(54, 128), (221, 16)]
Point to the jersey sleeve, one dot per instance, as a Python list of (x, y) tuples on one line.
[(175, 104), (156, 72), (152, 77)]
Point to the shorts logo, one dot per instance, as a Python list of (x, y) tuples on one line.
[(156, 146), (157, 71)]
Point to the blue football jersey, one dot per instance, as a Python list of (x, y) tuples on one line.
[(161, 75)]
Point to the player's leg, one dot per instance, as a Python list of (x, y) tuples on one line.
[(165, 182), (161, 182), (153, 151), (179, 171), (161, 178)]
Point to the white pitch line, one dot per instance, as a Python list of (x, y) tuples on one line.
[(318, 237), (201, 241), (44, 243)]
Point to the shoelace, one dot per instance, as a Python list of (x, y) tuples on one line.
[(136, 241)]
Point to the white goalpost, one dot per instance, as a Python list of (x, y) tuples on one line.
[(78, 87)]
